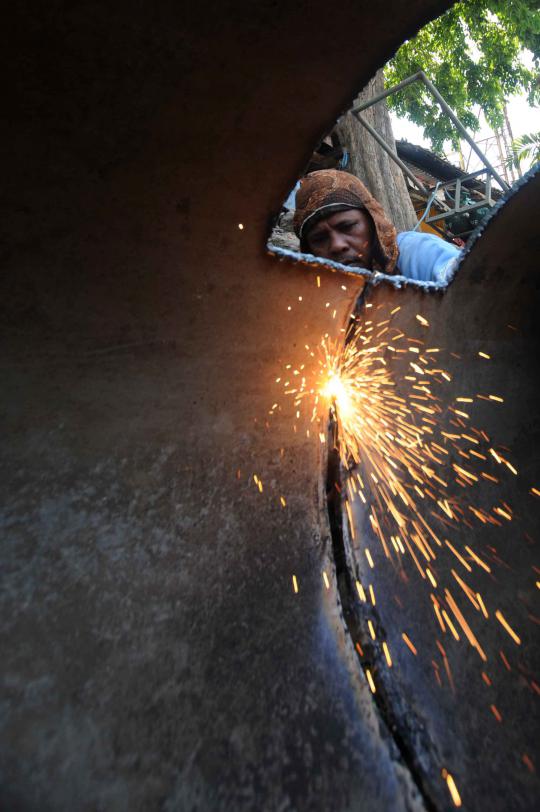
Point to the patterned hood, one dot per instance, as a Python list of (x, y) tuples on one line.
[(328, 191)]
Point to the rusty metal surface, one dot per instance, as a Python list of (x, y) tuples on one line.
[(444, 710)]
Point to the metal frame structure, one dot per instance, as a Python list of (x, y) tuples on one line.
[(485, 200), (490, 170)]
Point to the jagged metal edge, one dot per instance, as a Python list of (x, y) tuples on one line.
[(375, 277), (495, 210)]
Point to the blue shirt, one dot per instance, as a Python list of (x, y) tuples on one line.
[(426, 257)]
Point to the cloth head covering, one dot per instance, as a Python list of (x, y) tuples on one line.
[(328, 191)]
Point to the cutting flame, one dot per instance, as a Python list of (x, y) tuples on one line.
[(336, 391)]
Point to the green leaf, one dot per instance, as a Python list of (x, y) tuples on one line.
[(474, 56)]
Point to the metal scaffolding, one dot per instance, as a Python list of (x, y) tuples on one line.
[(454, 186)]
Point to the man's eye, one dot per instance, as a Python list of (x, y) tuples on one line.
[(345, 226)]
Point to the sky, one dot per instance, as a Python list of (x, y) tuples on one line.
[(523, 119)]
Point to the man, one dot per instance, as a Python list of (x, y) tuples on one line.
[(337, 218)]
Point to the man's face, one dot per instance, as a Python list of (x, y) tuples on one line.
[(345, 237)]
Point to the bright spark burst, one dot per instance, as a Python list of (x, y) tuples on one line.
[(399, 451)]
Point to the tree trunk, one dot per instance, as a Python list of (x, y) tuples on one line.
[(369, 162)]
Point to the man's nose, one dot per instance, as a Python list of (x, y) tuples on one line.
[(338, 243)]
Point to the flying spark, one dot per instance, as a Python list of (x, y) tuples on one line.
[(418, 469), (453, 790)]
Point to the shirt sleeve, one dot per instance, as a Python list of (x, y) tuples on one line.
[(426, 257)]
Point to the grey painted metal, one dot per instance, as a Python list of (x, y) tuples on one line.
[(457, 208), (421, 76), (457, 123), (388, 92)]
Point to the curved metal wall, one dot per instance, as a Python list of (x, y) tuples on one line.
[(157, 655)]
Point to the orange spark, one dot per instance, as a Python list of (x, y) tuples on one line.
[(387, 654), (360, 590), (453, 790), (496, 713), (409, 643), (504, 623)]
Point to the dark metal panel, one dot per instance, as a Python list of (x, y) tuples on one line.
[(491, 307), (156, 656)]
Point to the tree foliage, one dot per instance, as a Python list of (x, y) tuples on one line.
[(473, 54), (523, 148)]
